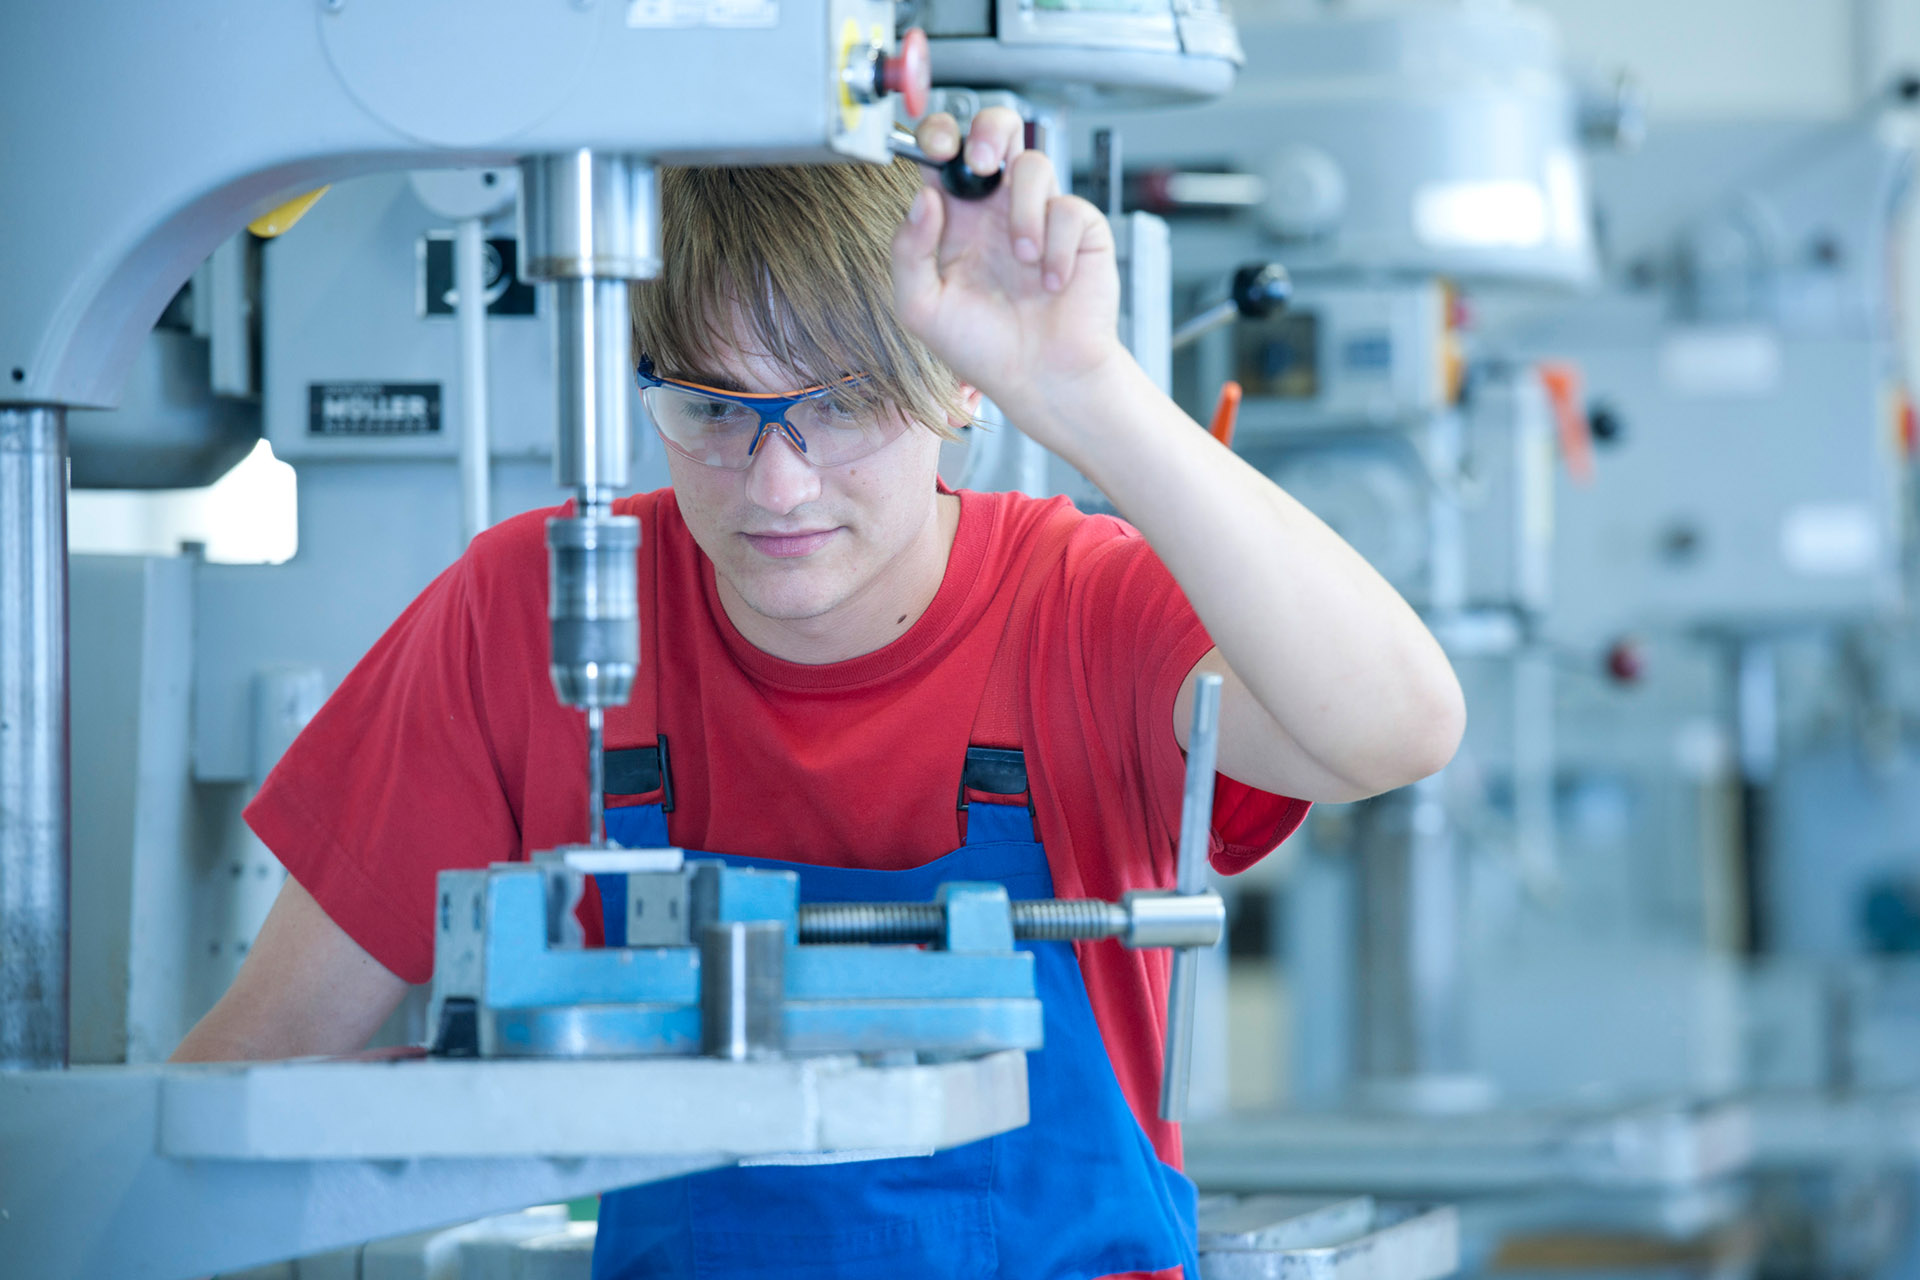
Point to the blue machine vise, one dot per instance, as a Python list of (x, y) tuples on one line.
[(708, 944)]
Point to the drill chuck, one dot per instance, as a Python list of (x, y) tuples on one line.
[(593, 607)]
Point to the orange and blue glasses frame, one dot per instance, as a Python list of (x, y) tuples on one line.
[(772, 406)]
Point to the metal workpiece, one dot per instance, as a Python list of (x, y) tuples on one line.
[(210, 1168), (1312, 1238), (1196, 838), (589, 215), (593, 375), (34, 762), (742, 989), (593, 608)]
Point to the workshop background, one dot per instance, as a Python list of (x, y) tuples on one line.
[(1627, 410)]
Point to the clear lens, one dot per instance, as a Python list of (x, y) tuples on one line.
[(716, 432), (829, 429)]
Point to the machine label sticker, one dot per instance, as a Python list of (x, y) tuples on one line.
[(507, 294), (743, 13), (703, 13), (373, 408)]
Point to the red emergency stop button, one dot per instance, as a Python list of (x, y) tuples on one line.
[(909, 72)]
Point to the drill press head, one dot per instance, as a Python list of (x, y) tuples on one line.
[(590, 225)]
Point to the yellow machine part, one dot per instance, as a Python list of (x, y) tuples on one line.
[(269, 225)]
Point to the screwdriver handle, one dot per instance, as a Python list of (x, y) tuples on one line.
[(1196, 831)]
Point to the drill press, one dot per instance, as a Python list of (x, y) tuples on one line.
[(589, 226)]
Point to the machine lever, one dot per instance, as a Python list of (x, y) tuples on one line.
[(1259, 290), (1196, 834), (954, 174)]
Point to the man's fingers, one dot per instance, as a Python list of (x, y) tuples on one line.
[(995, 137), (938, 136), (1032, 183), (1073, 225), (916, 263)]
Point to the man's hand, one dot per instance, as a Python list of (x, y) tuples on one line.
[(1334, 688), (1017, 293)]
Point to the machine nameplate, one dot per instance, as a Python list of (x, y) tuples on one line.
[(373, 408)]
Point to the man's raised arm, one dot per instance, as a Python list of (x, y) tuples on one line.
[(1335, 689)]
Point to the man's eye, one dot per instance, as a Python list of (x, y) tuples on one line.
[(713, 414)]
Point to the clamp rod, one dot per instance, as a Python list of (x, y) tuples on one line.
[(1196, 835)]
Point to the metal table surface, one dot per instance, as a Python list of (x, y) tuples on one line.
[(167, 1172), (1319, 1238), (1811, 1128), (1672, 1144)]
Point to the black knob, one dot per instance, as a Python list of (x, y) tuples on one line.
[(1606, 424), (1681, 543), (1260, 289), (965, 183)]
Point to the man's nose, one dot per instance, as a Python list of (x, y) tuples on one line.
[(779, 479)]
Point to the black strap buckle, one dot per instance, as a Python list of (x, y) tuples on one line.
[(994, 771), (635, 771)]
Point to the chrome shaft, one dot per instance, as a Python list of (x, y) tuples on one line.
[(34, 777)]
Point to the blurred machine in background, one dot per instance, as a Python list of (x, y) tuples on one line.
[(1643, 456), (1630, 421), (392, 352)]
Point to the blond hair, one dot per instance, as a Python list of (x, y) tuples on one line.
[(793, 263)]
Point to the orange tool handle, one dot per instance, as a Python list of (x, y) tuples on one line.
[(1226, 413), (1562, 380)]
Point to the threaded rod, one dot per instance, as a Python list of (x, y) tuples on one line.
[(1036, 920), (1068, 920)]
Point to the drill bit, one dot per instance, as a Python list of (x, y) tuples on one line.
[(596, 778)]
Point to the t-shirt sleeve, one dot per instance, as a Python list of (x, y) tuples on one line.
[(395, 780), (1143, 637)]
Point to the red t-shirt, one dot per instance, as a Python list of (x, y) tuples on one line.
[(445, 747)]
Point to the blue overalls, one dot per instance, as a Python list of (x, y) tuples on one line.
[(1077, 1192)]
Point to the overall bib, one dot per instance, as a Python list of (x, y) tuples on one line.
[(1079, 1192)]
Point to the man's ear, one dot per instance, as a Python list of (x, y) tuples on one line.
[(967, 407)]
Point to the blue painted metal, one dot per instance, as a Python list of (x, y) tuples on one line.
[(540, 992), (977, 917), (523, 971)]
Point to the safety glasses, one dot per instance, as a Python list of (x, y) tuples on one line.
[(725, 428)]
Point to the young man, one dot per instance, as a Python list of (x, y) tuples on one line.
[(828, 634)]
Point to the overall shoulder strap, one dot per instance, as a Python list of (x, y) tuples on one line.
[(996, 763), (641, 767)]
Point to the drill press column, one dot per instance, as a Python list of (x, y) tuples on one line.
[(589, 225)]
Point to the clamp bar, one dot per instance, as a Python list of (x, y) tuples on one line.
[(1196, 835)]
